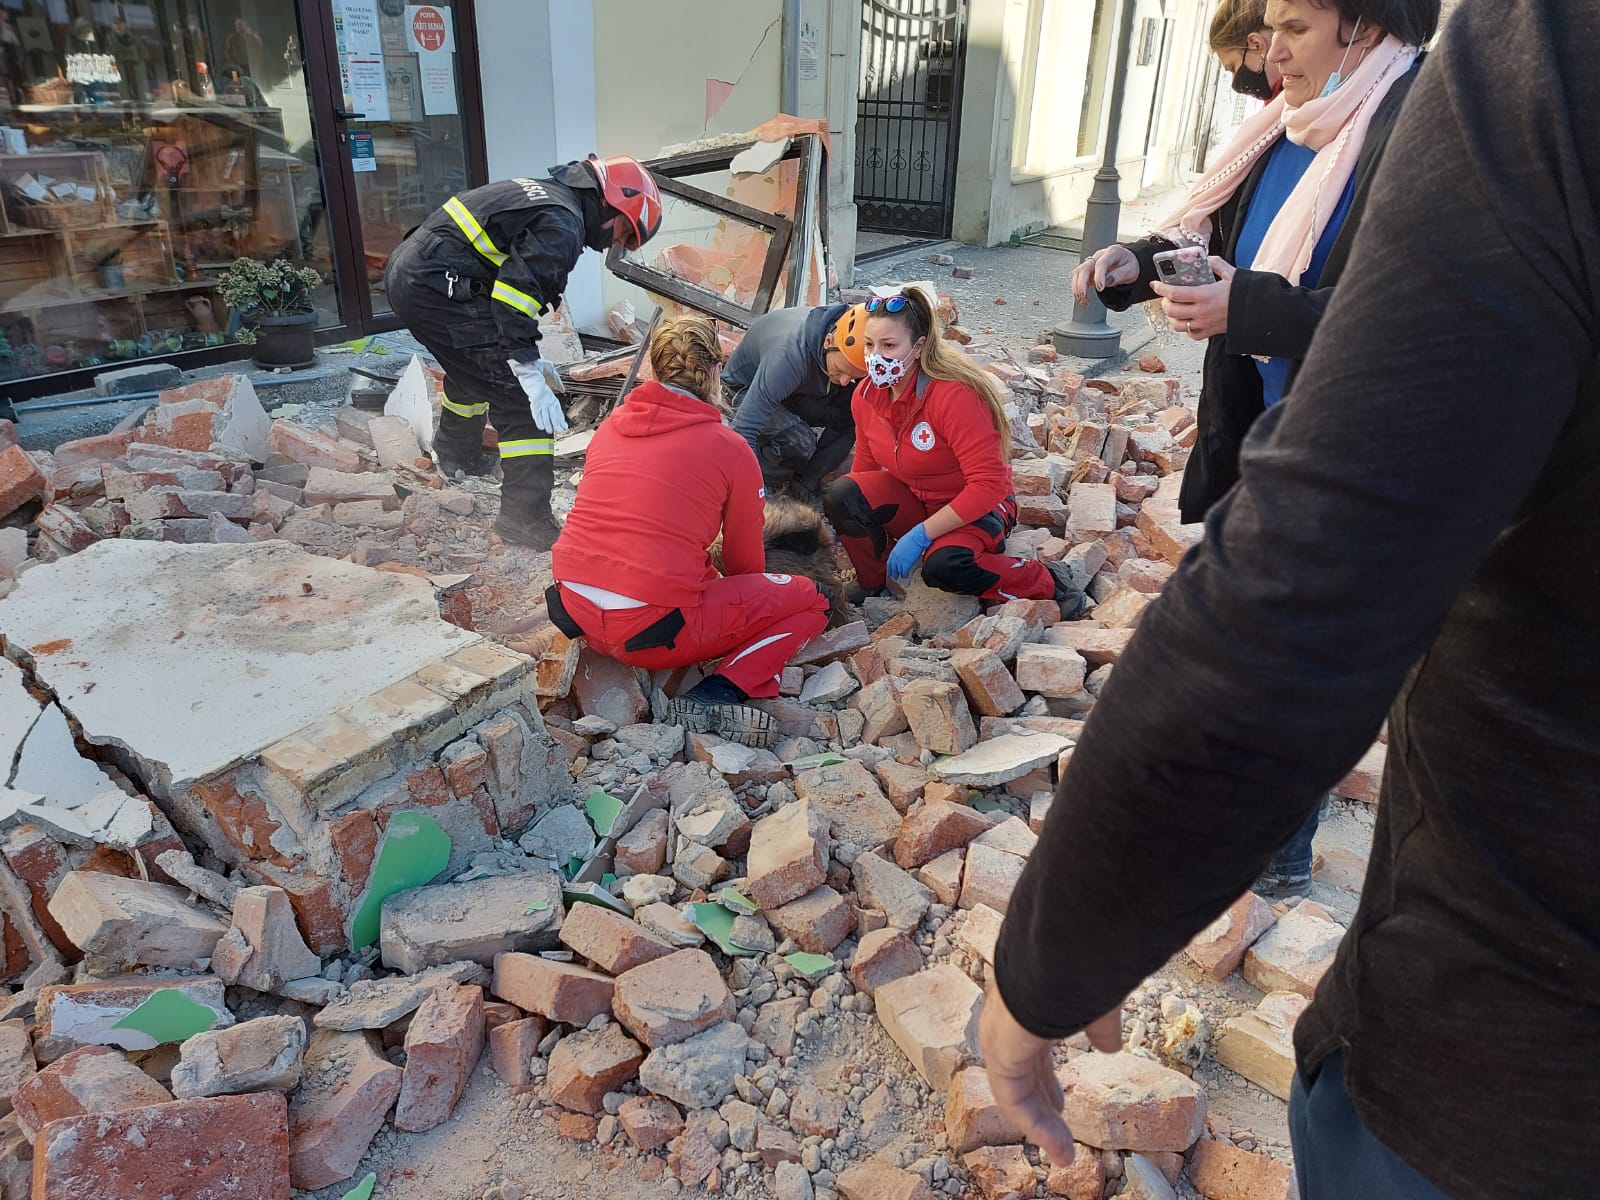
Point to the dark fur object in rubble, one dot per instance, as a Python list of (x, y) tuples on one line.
[(799, 542)]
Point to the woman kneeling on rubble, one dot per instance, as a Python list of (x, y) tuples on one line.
[(931, 480), (663, 477)]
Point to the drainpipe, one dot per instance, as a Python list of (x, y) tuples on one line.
[(789, 100)]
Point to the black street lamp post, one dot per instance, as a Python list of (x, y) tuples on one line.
[(1089, 335)]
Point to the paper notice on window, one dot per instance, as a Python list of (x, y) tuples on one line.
[(360, 35), (405, 97), (369, 88), (438, 72), (363, 153)]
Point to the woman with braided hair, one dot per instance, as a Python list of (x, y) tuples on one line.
[(662, 479)]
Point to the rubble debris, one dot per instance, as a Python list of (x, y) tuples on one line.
[(263, 950), (263, 1055), (443, 1044), (672, 999), (1124, 1102), (1259, 1045), (1295, 953), (91, 1080), (470, 921), (348, 1089), (98, 1013), (379, 1003), (933, 1017), (591, 1063), (131, 922), (236, 1146)]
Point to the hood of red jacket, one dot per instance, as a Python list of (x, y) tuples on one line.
[(653, 408)]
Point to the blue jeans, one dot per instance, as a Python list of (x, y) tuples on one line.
[(1294, 859), (1335, 1158)]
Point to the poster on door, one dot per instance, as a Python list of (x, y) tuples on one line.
[(369, 88), (432, 37), (405, 94), (363, 153), (356, 24)]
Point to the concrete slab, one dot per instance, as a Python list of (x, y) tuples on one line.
[(195, 658)]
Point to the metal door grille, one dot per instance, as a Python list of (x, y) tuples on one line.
[(912, 55)]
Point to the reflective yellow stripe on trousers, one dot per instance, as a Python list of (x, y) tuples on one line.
[(468, 224), (462, 410), (528, 448)]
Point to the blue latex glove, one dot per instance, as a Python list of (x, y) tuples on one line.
[(908, 552)]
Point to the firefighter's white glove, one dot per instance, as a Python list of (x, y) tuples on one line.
[(540, 381)]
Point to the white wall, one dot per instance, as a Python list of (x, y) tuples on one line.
[(537, 59)]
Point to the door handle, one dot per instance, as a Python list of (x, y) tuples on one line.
[(342, 115)]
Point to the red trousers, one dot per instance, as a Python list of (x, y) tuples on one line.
[(754, 623), (872, 510)]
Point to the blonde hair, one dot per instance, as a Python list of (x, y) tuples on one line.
[(684, 353), (1234, 22), (943, 360)]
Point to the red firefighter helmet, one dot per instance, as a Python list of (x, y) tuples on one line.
[(631, 190)]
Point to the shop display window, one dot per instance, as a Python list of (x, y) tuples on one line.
[(144, 147)]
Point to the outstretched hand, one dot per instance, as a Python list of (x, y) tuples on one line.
[(1022, 1073), (1114, 266)]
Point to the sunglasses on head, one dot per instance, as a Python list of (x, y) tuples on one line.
[(893, 304)]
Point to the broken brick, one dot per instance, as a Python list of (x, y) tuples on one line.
[(276, 954), (972, 1118), (443, 1045), (586, 1065), (814, 1113), (604, 687), (938, 715), (1222, 1172), (881, 957), (1296, 953), (1124, 1102), (1220, 947), (89, 1081), (1084, 1178), (228, 1146), (1097, 645), (1002, 1172), (347, 1092), (609, 940), (942, 877), (935, 828), (1259, 1045), (512, 1047), (1052, 671), (643, 849), (882, 708), (788, 854), (21, 480), (1123, 608), (312, 448), (933, 1017), (673, 998), (877, 1180), (650, 1121), (817, 921), (989, 685), (563, 992)]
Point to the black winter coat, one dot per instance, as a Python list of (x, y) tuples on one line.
[(1266, 316)]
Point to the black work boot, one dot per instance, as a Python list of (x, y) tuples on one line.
[(525, 516), (1068, 594), (717, 706)]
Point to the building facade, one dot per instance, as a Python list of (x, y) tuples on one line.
[(147, 144)]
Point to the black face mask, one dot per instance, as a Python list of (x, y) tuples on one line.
[(1252, 83)]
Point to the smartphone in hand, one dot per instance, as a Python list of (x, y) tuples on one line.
[(1187, 266)]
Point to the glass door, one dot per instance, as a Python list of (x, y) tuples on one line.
[(404, 141)]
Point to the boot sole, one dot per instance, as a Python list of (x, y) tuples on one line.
[(742, 723)]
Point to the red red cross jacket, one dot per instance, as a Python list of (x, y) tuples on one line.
[(662, 477), (939, 441)]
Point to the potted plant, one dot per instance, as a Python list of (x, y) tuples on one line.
[(274, 301), (108, 261)]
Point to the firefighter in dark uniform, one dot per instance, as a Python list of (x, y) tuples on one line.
[(471, 283)]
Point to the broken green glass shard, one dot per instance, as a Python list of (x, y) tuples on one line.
[(608, 881), (985, 804), (169, 1016), (538, 906), (414, 852), (811, 965), (812, 761), (603, 811), (716, 923), (736, 900), (593, 893), (362, 1190)]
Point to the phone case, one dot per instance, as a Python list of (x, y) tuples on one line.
[(1189, 267)]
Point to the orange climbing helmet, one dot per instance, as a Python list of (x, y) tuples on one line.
[(849, 336)]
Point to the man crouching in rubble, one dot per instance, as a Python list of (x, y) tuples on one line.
[(662, 478), (471, 283), (793, 374)]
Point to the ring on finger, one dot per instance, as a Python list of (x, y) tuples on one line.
[(1191, 327)]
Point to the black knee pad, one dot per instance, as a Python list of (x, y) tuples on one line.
[(956, 569), (849, 513)]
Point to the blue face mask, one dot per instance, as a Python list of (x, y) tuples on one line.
[(1337, 77)]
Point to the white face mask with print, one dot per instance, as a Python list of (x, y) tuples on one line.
[(885, 372)]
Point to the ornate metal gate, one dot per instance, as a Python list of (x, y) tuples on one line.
[(912, 55)]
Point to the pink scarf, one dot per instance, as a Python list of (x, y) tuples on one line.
[(1334, 126)]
